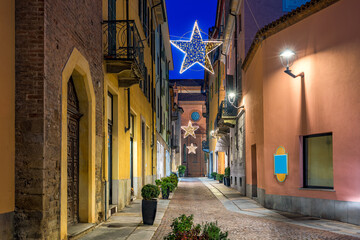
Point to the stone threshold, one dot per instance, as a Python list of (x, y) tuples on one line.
[(78, 230)]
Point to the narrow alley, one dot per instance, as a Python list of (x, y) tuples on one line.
[(173, 120)]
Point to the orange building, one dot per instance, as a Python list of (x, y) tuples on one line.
[(312, 120)]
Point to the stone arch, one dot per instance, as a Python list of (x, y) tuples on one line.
[(78, 68)]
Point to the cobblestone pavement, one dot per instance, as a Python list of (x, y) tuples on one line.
[(193, 197)]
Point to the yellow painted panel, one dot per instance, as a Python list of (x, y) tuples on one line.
[(7, 103)]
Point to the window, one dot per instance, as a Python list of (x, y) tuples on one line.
[(318, 161), (131, 125), (239, 23), (195, 116), (144, 16), (216, 84)]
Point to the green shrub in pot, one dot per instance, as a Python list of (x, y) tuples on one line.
[(149, 193)]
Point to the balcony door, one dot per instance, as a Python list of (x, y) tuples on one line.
[(112, 27), (110, 145)]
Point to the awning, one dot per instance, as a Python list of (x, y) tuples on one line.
[(222, 144)]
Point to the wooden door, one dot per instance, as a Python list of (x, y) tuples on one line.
[(73, 116)]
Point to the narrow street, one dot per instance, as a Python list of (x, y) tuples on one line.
[(194, 197)]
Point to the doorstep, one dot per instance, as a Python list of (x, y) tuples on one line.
[(79, 229)]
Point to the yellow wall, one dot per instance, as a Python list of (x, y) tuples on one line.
[(140, 108), (214, 103), (7, 103)]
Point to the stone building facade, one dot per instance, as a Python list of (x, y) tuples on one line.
[(53, 47), (84, 116)]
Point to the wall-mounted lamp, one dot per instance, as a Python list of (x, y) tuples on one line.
[(232, 98), (212, 134), (287, 59)]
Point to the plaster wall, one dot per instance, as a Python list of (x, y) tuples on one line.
[(326, 100), (7, 110)]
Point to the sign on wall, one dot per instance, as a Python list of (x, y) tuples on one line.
[(281, 166), (289, 5)]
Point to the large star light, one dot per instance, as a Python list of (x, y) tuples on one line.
[(196, 50), (189, 130), (192, 148)]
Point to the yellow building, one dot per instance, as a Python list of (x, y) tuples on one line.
[(7, 117), (130, 149), (215, 98)]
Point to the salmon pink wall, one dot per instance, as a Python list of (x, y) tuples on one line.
[(280, 109)]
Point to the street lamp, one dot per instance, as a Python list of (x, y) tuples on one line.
[(231, 99), (287, 58)]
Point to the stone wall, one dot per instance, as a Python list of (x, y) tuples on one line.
[(46, 34)]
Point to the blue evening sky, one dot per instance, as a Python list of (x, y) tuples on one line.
[(182, 15)]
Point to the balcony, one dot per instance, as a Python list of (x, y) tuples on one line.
[(228, 114), (225, 119), (124, 51)]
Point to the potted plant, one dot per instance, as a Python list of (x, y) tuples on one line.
[(213, 175), (149, 193), (227, 177), (220, 177), (182, 169), (174, 179), (166, 187), (183, 227)]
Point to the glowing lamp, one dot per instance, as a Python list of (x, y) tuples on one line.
[(287, 58), (231, 97)]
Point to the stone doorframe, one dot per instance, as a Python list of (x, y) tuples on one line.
[(78, 67)]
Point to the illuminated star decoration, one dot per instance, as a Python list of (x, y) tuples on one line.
[(189, 130), (196, 50), (192, 148)]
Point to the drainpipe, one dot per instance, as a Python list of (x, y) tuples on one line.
[(128, 97)]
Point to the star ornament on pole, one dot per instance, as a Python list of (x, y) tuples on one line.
[(196, 50), (189, 130), (192, 148)]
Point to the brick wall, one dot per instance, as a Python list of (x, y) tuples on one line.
[(47, 31), (29, 118)]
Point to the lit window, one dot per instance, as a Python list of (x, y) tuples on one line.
[(318, 161)]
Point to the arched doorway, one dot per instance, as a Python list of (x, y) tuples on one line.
[(78, 134)]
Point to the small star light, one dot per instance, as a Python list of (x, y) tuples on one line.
[(189, 130), (196, 50), (192, 148)]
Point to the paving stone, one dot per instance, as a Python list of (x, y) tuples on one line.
[(194, 197)]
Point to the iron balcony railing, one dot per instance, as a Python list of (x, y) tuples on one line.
[(122, 42), (227, 110), (226, 117)]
